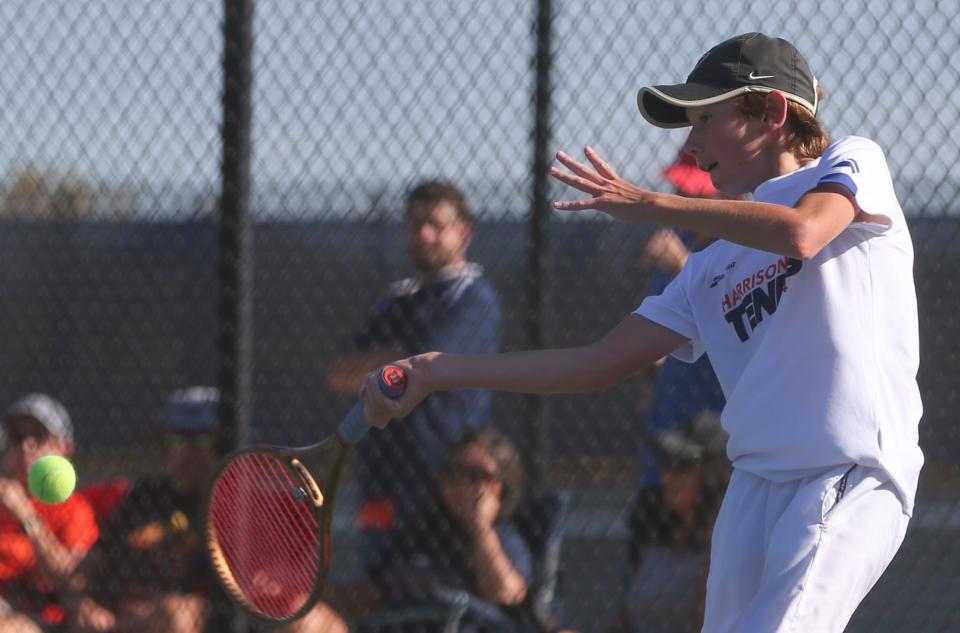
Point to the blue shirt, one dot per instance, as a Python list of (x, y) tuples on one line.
[(456, 312), (433, 551)]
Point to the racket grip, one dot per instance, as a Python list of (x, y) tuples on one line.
[(393, 382), (354, 426)]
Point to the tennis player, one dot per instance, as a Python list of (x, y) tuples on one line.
[(806, 307)]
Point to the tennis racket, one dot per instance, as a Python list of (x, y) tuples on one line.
[(268, 517)]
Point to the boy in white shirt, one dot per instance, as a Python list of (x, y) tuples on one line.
[(806, 307)]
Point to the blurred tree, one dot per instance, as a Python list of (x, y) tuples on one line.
[(36, 192), (39, 193)]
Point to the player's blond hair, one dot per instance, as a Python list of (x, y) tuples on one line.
[(804, 134)]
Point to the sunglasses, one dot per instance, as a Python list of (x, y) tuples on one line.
[(195, 440), (469, 473), (19, 436)]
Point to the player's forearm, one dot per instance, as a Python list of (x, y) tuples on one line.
[(631, 345), (769, 227), (569, 370)]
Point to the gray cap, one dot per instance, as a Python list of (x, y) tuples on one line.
[(192, 410), (705, 438), (46, 410)]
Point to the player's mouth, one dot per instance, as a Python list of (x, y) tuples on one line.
[(710, 167)]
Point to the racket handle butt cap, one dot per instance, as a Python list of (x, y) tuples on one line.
[(393, 383)]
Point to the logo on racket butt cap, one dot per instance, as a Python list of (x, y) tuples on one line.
[(393, 381)]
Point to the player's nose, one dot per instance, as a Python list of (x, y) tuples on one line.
[(692, 144)]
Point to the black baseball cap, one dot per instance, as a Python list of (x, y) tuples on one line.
[(752, 62)]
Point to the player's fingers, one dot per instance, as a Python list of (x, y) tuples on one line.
[(577, 182), (603, 168), (579, 168), (575, 205), (376, 406)]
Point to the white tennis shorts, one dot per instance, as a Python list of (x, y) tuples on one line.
[(799, 556)]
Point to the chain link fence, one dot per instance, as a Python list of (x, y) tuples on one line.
[(111, 179)]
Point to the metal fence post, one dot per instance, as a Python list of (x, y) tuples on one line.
[(234, 265), (539, 218), (234, 255)]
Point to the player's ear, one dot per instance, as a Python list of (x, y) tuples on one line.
[(775, 110)]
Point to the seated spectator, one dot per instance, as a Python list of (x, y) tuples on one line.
[(670, 526), (103, 496), (40, 544), (148, 571), (468, 541), (320, 619), (678, 391)]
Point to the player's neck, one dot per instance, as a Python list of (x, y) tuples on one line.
[(788, 162), (780, 163)]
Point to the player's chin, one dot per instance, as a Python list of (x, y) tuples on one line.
[(725, 186)]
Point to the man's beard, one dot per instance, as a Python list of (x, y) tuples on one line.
[(426, 262)]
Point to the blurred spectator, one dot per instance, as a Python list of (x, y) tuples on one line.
[(466, 542), (670, 526), (678, 499), (681, 391), (148, 572), (447, 306), (320, 619), (40, 544)]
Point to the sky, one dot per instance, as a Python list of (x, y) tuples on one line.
[(355, 99)]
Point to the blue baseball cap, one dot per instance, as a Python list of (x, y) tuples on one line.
[(192, 410)]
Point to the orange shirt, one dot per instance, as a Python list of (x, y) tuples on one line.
[(72, 522)]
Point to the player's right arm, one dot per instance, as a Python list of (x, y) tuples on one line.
[(633, 344)]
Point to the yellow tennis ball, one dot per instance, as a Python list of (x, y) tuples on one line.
[(52, 479)]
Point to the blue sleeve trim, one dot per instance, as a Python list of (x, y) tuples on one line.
[(840, 179)]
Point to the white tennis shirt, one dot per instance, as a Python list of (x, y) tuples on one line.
[(817, 358)]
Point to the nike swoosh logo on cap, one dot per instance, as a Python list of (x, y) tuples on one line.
[(753, 77)]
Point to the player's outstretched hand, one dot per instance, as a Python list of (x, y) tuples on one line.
[(378, 408), (608, 191)]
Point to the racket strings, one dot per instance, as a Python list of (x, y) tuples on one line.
[(305, 525), (269, 539), (295, 530), (268, 534), (259, 553)]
